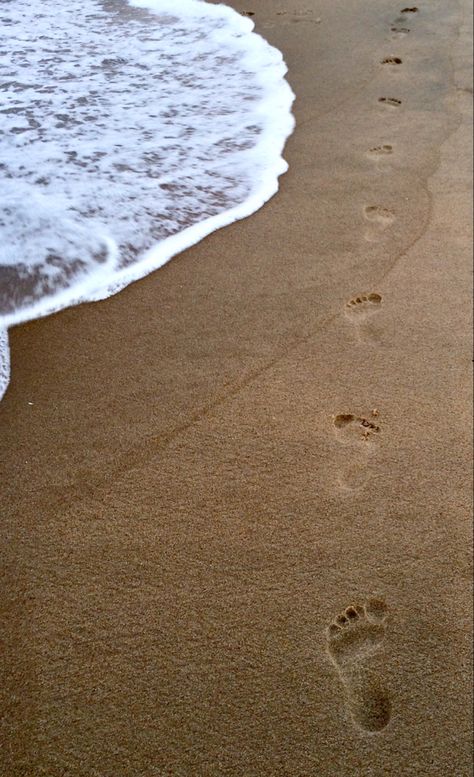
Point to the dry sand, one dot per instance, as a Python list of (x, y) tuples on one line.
[(200, 473)]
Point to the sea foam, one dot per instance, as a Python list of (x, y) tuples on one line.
[(130, 131)]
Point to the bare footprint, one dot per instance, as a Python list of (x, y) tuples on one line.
[(352, 638), (399, 32), (357, 434), (391, 61), (390, 101), (380, 151), (302, 15), (363, 306), (383, 216), (355, 427), (380, 219)]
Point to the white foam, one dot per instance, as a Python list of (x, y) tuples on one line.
[(4, 362), (129, 132)]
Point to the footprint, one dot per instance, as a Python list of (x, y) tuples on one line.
[(383, 216), (354, 427), (414, 9), (380, 219), (391, 61), (359, 311), (300, 16), (380, 151), (356, 433), (297, 12), (390, 101), (352, 638), (364, 305)]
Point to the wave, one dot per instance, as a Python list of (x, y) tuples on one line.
[(130, 131)]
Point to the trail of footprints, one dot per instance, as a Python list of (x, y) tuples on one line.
[(359, 632)]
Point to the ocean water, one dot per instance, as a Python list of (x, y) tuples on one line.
[(129, 131)]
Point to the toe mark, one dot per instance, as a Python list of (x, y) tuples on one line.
[(352, 613), (374, 297)]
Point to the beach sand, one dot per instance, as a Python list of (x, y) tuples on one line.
[(199, 474)]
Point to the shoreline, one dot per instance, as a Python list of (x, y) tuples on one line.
[(196, 490)]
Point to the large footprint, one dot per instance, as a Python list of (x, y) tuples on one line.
[(352, 638)]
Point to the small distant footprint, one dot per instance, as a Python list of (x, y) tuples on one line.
[(392, 101), (363, 306), (300, 15), (380, 151), (399, 32), (391, 61), (383, 216), (379, 219), (352, 638)]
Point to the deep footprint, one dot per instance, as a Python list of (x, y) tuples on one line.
[(352, 638)]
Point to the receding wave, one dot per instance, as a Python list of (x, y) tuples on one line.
[(129, 132)]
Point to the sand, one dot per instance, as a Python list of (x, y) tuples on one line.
[(199, 474)]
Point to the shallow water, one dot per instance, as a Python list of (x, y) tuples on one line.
[(128, 134)]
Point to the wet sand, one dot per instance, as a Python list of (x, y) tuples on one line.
[(199, 474)]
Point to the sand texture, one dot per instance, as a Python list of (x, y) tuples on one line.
[(236, 497)]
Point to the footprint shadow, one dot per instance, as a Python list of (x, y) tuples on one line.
[(352, 638)]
